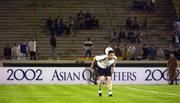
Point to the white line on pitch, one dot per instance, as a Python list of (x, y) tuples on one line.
[(151, 91)]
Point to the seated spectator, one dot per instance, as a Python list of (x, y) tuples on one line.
[(95, 23), (49, 25), (59, 27), (113, 36), (131, 37), (139, 37), (153, 5), (117, 50), (128, 23), (121, 36), (88, 20), (7, 52), (135, 24), (80, 19)]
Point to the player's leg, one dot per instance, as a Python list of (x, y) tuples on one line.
[(101, 79), (109, 80), (109, 85)]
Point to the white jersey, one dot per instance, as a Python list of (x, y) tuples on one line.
[(32, 46), (103, 62)]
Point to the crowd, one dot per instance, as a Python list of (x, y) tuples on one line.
[(82, 20)]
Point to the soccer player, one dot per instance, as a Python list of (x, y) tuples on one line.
[(105, 65)]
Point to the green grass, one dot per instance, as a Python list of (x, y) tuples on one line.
[(88, 94)]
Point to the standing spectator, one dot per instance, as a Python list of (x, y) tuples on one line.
[(15, 51), (32, 49), (7, 52), (88, 45), (128, 23), (172, 67), (152, 52), (145, 52), (53, 46), (23, 50)]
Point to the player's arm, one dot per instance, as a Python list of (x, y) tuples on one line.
[(93, 62), (113, 66)]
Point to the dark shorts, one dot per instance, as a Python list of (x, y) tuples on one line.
[(104, 71)]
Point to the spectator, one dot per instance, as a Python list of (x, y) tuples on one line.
[(59, 27), (153, 5), (132, 50), (135, 24), (145, 24), (113, 36), (80, 19), (145, 52), (88, 20), (95, 23), (7, 52), (139, 36), (121, 36), (152, 52), (117, 50), (53, 46), (139, 52), (15, 52), (88, 45), (23, 50), (131, 37), (128, 23), (172, 68), (49, 26), (32, 49)]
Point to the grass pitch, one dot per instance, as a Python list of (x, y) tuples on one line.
[(88, 94)]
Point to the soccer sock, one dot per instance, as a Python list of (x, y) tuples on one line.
[(110, 92)]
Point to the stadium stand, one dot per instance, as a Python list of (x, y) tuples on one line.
[(21, 20)]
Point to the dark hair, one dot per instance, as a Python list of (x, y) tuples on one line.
[(111, 51)]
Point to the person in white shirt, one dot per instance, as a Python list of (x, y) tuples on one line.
[(32, 49), (88, 45), (14, 52), (105, 65)]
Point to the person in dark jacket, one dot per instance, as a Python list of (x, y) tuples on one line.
[(53, 46), (7, 52)]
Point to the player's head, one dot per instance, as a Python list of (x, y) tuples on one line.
[(107, 50), (111, 54)]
